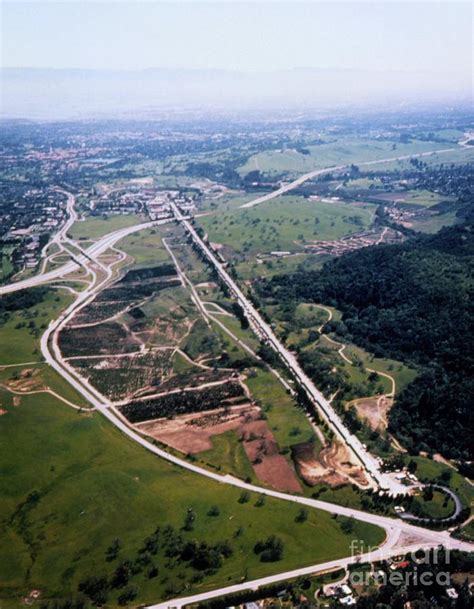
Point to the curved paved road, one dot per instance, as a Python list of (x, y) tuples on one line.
[(97, 248), (318, 172), (393, 527), (49, 347)]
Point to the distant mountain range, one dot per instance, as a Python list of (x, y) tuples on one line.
[(77, 93)]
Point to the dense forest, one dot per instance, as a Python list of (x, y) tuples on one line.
[(412, 302)]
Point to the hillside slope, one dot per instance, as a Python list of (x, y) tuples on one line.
[(412, 302)]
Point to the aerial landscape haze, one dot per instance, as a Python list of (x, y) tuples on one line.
[(236, 305)]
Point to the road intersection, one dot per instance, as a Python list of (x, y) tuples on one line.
[(401, 536)]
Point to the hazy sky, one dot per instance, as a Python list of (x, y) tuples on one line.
[(430, 36)]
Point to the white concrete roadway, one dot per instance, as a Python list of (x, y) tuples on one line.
[(376, 555), (263, 330), (97, 248), (393, 527), (319, 172)]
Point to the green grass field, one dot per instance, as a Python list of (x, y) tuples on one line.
[(429, 471), (20, 335), (467, 531), (6, 266), (285, 223), (343, 151), (440, 506), (145, 247), (286, 420), (229, 456), (51, 379), (71, 484), (425, 198), (95, 227), (402, 374), (233, 324), (251, 268), (435, 223)]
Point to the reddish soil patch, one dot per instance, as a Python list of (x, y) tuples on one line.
[(192, 434), (332, 466), (263, 451), (2, 412)]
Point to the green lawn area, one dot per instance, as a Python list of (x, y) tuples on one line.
[(285, 223), (145, 247), (287, 421), (424, 197), (6, 266), (71, 484), (251, 269), (467, 531), (440, 506), (94, 227), (402, 374), (20, 335), (435, 223), (51, 379), (335, 152), (246, 336), (228, 454), (429, 471)]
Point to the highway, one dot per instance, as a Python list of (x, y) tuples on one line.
[(401, 536), (84, 259), (395, 529), (319, 172)]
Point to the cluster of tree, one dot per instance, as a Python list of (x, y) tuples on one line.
[(426, 584), (163, 270), (181, 402), (270, 549), (136, 291), (239, 313), (21, 301), (201, 556), (414, 302)]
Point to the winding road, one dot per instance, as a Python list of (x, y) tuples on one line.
[(401, 536)]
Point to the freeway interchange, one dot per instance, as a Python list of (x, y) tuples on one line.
[(401, 536)]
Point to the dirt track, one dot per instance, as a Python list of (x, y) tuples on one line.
[(332, 466), (374, 410)]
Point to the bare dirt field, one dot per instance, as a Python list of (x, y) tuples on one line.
[(192, 433), (332, 466), (29, 379), (263, 452), (374, 410)]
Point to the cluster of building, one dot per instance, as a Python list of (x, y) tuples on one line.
[(342, 593), (27, 221), (352, 242), (139, 197)]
